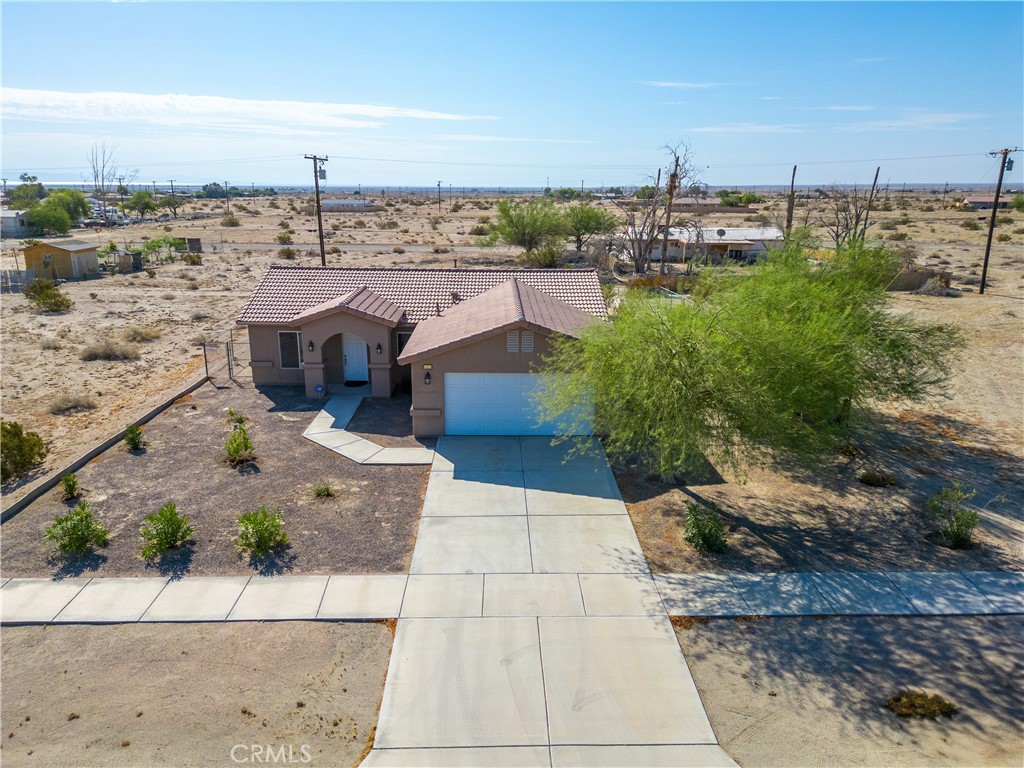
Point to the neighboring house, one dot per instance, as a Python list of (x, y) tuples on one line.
[(67, 260), (349, 204), (467, 342), (15, 224), (740, 243), (983, 203)]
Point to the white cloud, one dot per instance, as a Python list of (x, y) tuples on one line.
[(207, 112), (749, 128), (919, 120), (483, 138), (671, 84)]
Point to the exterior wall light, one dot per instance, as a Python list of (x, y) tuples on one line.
[(380, 349), (426, 378), (311, 345)]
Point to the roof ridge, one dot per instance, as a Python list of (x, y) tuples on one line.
[(517, 299)]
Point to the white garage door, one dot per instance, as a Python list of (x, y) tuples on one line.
[(495, 404)]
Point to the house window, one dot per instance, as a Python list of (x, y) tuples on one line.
[(47, 258), (512, 341), (527, 341), (290, 343), (401, 339)]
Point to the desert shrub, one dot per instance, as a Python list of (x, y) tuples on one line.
[(239, 446), (69, 486), (480, 231), (970, 224), (151, 272), (1003, 238), (109, 350), (64, 404), (398, 249), (934, 287), (236, 417), (897, 236), (920, 705), (434, 222), (359, 224), (441, 249), (77, 531), (230, 221), (544, 257), (958, 521), (46, 297), (928, 208), (273, 204), (1001, 220), (19, 450), (387, 224), (877, 479), (261, 531), (334, 249), (704, 528), (192, 285), (1019, 231), (287, 253), (163, 530), (49, 344), (887, 226), (192, 259), (323, 491), (139, 333), (283, 238), (133, 438), (456, 207)]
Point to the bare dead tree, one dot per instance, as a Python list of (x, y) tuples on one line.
[(847, 213), (104, 171)]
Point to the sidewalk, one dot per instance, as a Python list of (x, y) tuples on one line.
[(328, 430)]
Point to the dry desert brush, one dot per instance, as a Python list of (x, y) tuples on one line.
[(109, 350)]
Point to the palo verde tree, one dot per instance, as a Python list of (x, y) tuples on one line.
[(531, 224), (583, 222), (782, 361)]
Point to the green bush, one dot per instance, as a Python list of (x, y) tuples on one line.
[(192, 259), (704, 528), (45, 296), (283, 238), (261, 531), (69, 486), (971, 225), (957, 521), (1003, 238), (133, 438), (77, 531), (19, 450), (163, 530), (287, 253), (236, 417), (239, 446), (387, 224), (230, 221), (323, 491)]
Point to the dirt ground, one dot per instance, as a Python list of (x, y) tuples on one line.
[(388, 423), (369, 526), (121, 695), (811, 692)]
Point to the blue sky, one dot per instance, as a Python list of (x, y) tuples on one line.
[(513, 94)]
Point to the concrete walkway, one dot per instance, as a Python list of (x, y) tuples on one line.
[(328, 429)]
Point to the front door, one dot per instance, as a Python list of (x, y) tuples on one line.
[(357, 364)]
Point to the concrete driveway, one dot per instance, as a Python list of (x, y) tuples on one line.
[(539, 637)]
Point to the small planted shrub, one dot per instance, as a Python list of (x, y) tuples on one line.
[(704, 528), (236, 417), (921, 705), (141, 333), (163, 530), (69, 486), (957, 520), (76, 532), (323, 491), (877, 479), (133, 438), (261, 531), (46, 297), (110, 350), (239, 446), (19, 450)]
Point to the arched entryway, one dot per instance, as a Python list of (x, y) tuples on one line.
[(346, 360)]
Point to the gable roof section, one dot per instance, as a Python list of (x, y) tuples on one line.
[(284, 292), (361, 302), (70, 245), (512, 304)]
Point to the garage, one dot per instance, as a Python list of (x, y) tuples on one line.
[(495, 404)]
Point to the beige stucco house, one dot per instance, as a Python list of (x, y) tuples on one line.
[(467, 343)]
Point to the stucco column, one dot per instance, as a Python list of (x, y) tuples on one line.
[(315, 377)]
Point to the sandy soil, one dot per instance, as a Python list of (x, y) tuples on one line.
[(811, 692), (369, 526), (301, 684)]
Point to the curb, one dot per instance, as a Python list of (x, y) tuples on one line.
[(51, 482)]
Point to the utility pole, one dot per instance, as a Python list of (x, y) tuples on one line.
[(227, 199), (171, 181), (1004, 165), (439, 197), (252, 185), (792, 202), (945, 190), (318, 172), (673, 179), (120, 189), (154, 189)]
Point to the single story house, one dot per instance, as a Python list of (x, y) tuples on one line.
[(740, 243), (705, 205), (467, 343), (67, 260), (15, 224), (980, 203), (329, 205)]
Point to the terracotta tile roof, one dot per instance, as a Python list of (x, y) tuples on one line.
[(284, 292), (512, 304), (362, 302)]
